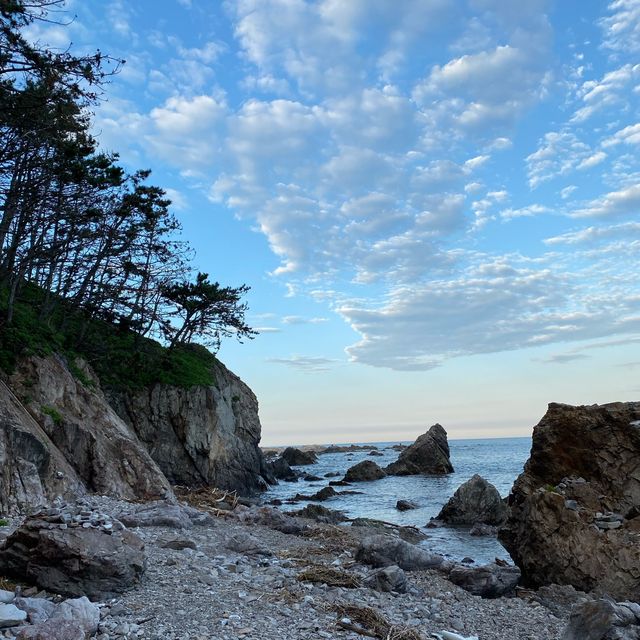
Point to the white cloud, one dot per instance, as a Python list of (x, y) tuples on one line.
[(524, 212), (629, 135), (305, 364), (593, 234), (592, 161), (303, 320), (613, 204), (622, 27)]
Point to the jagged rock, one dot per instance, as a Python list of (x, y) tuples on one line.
[(429, 455), (406, 505), (573, 510), (475, 501), (296, 457), (320, 514), (480, 529), (364, 471), (320, 496), (105, 454), (11, 616), (32, 469), (281, 470), (604, 620), (71, 559), (274, 519), (387, 579), (201, 435), (385, 550), (488, 581)]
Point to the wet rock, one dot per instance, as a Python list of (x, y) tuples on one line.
[(405, 505), (281, 470), (296, 457), (488, 581), (72, 559), (568, 509), (481, 529), (375, 452), (364, 471), (604, 620), (475, 501), (320, 496), (391, 578), (312, 478), (428, 455), (385, 550)]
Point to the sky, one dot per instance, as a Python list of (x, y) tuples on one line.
[(435, 202)]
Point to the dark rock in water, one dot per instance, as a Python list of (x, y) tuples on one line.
[(339, 483), (567, 522), (405, 505), (320, 514), (346, 448), (385, 550), (320, 496), (281, 470), (475, 501), (488, 581), (387, 579), (481, 529), (375, 452), (332, 474), (311, 478), (406, 533), (73, 560), (428, 455), (296, 457), (364, 471), (276, 502), (604, 620)]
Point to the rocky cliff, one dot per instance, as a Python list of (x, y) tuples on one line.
[(575, 510), (63, 436), (202, 435)]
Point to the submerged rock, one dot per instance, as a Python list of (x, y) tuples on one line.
[(574, 510), (475, 501), (428, 455), (364, 471)]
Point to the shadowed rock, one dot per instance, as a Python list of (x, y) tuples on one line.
[(364, 471), (296, 457), (428, 455), (474, 501)]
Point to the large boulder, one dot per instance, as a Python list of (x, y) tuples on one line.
[(386, 550), (281, 470), (428, 455), (488, 581), (33, 470), (296, 457), (74, 552), (574, 511), (105, 454), (202, 435), (364, 471), (604, 620), (474, 501)]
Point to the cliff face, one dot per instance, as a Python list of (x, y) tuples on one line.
[(64, 437), (202, 435)]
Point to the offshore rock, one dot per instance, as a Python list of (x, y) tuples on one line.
[(574, 511), (204, 435), (65, 556), (32, 469), (428, 455), (107, 457), (296, 457), (475, 501), (364, 471)]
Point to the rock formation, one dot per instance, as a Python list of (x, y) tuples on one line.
[(75, 553), (475, 501), (297, 457), (201, 435), (107, 457), (428, 455), (364, 471), (575, 510)]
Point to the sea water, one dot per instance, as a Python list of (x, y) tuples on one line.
[(498, 460)]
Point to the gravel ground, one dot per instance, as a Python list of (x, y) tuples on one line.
[(203, 589)]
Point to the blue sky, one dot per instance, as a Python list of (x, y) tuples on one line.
[(435, 202)]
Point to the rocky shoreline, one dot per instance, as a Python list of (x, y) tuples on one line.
[(239, 575)]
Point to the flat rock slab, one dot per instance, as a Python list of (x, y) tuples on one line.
[(11, 616)]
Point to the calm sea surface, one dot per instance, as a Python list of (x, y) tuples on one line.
[(498, 460)]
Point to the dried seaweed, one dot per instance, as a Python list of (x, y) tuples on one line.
[(327, 575), (210, 499), (368, 622)]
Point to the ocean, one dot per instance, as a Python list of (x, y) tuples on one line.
[(498, 460)]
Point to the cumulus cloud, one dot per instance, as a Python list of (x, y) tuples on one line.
[(622, 27), (613, 204)]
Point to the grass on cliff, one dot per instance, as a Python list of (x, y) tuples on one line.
[(121, 359)]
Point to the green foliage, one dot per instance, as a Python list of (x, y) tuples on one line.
[(120, 357), (53, 413), (4, 522)]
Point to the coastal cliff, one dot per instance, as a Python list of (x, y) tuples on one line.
[(60, 435)]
